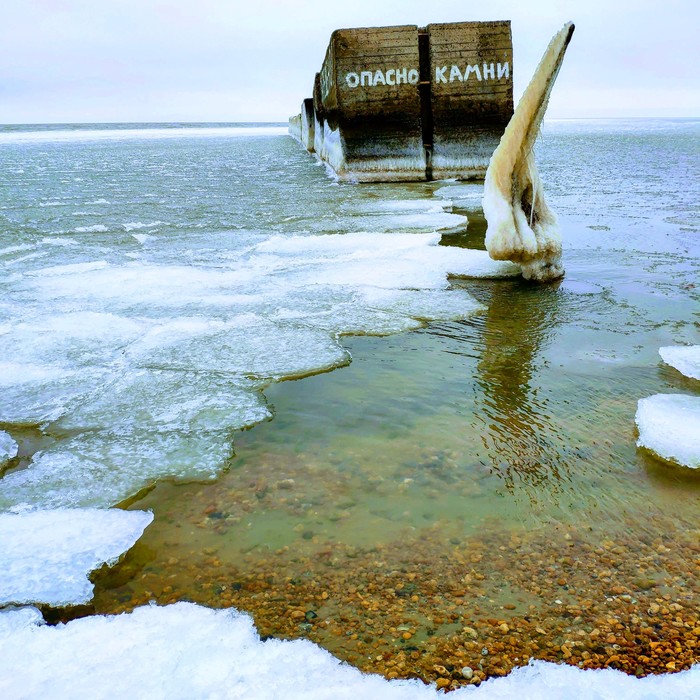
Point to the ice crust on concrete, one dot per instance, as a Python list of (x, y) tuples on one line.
[(47, 555), (8, 447), (669, 426), (185, 651), (686, 359), (142, 368)]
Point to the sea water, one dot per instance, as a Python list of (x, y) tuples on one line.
[(159, 282)]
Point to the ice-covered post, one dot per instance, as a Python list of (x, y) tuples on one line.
[(521, 227)]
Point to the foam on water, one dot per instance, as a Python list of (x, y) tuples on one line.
[(188, 651), (686, 359), (47, 555), (669, 426)]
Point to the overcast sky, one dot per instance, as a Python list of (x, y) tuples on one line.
[(213, 60)]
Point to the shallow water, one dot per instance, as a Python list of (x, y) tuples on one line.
[(497, 446)]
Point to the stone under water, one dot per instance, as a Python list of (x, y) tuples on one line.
[(521, 226)]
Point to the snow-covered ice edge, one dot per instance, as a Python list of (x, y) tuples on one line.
[(189, 651), (46, 555)]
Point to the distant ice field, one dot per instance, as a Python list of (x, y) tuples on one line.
[(83, 135)]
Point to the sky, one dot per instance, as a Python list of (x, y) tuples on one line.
[(217, 60)]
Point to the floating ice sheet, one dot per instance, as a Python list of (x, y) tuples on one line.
[(403, 205), (469, 195), (169, 401), (187, 651), (142, 369), (36, 394), (73, 339), (390, 261), (105, 468), (8, 447), (269, 349), (686, 359), (47, 555), (669, 426)]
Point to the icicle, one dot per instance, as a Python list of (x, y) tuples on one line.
[(521, 227)]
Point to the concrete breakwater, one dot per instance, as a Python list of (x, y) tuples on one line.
[(409, 103)]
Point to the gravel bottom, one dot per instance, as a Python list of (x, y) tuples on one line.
[(452, 611)]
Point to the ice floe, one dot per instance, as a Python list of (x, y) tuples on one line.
[(36, 394), (669, 426), (188, 651), (47, 555), (467, 196), (686, 359), (99, 468), (8, 447), (141, 370)]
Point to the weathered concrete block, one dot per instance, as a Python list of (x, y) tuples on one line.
[(307, 124), (369, 91), (471, 68), (294, 127), (403, 103)]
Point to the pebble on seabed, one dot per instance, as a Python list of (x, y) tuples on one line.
[(453, 614)]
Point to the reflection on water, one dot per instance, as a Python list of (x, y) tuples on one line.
[(517, 430)]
